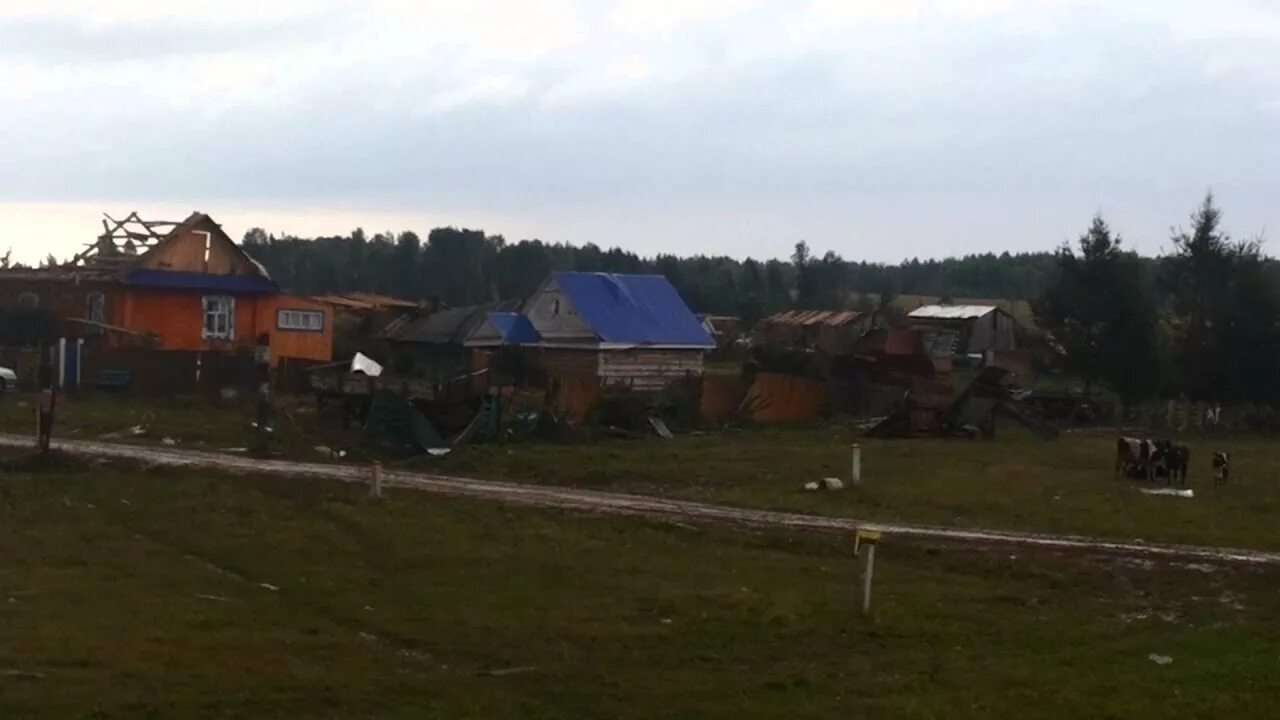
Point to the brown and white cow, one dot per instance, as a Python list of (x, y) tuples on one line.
[(1151, 459), (1221, 467), (1134, 456)]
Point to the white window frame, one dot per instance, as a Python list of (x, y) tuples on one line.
[(95, 310), (215, 307), (298, 320)]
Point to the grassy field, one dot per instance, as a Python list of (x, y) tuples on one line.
[(199, 423), (128, 593), (1014, 483)]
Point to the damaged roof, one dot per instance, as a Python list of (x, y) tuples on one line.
[(806, 318), (445, 327), (366, 301), (951, 312)]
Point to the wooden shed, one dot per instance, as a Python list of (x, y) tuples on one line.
[(834, 332), (952, 330)]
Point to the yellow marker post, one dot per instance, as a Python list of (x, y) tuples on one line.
[(870, 538)]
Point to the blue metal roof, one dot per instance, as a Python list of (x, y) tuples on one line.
[(633, 309), (173, 280), (514, 328)]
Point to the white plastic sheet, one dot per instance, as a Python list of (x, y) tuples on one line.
[(362, 363)]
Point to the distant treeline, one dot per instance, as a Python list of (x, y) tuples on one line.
[(463, 267), (1202, 321)]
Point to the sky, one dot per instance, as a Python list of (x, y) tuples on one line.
[(879, 129)]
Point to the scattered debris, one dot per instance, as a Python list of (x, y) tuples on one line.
[(439, 452), (507, 671), (22, 674), (236, 450), (135, 431), (396, 427), (168, 441), (1163, 616), (661, 428), (972, 414), (362, 363), (331, 453), (1170, 492), (269, 586), (825, 484), (214, 598), (1160, 659)]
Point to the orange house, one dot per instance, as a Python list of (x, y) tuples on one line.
[(195, 289), (190, 288)]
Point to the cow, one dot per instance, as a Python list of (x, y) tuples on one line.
[(1221, 467), (1150, 459), (1172, 462), (1133, 457)]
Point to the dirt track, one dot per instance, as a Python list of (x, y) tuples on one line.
[(623, 504)]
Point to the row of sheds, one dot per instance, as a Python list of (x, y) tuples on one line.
[(944, 330)]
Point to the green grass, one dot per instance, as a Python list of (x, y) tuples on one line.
[(128, 594), (1015, 482), (193, 422)]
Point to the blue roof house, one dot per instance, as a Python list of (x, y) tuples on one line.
[(631, 330)]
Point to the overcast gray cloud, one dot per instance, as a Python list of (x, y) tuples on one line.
[(879, 130)]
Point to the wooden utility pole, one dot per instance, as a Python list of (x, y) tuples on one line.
[(262, 376), (48, 400)]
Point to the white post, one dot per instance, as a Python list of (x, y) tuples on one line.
[(855, 474), (375, 480), (866, 579)]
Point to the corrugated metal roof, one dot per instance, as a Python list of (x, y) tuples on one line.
[(451, 326), (633, 309), (440, 327), (951, 312), (833, 318)]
